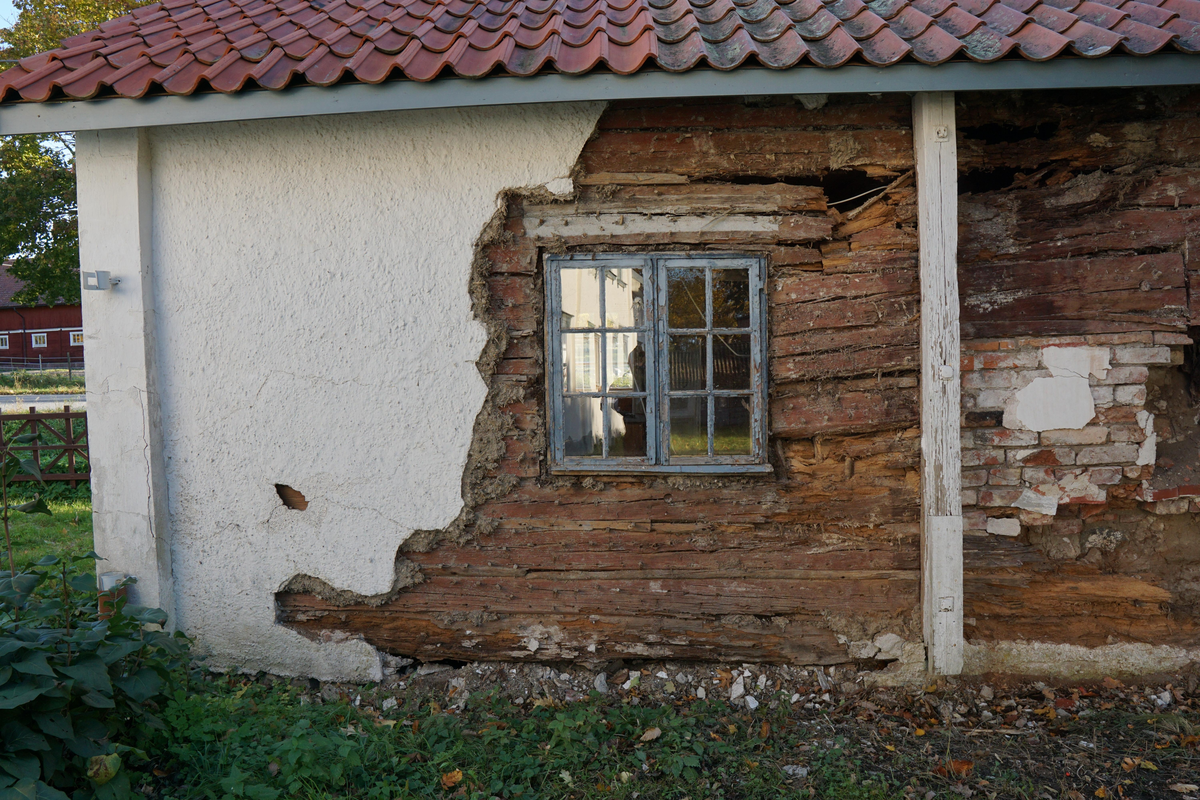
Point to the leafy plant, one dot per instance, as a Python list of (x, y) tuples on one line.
[(76, 685)]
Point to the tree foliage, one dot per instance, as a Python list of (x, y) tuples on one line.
[(38, 224)]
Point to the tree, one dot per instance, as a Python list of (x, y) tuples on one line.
[(39, 229)]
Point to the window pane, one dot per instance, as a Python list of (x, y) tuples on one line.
[(689, 426), (624, 298), (731, 298), (581, 362), (583, 427), (626, 427), (685, 298), (689, 363), (731, 426), (580, 297), (731, 362), (627, 361)]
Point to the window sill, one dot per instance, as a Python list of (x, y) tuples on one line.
[(649, 469)]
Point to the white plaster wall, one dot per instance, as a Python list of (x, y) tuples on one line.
[(314, 329)]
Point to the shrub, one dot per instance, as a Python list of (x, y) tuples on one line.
[(75, 689)]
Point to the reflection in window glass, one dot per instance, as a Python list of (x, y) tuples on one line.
[(626, 426), (689, 363), (581, 362), (580, 297), (731, 298), (731, 362), (689, 426), (685, 298), (626, 362), (583, 427), (731, 426), (624, 298)]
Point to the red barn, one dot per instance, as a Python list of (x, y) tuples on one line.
[(41, 335)]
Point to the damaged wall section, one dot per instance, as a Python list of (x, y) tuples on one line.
[(815, 563), (1078, 279)]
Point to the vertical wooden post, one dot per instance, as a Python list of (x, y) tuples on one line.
[(936, 152)]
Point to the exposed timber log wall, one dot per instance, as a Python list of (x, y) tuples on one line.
[(1078, 215), (808, 564)]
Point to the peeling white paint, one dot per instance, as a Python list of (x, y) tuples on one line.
[(1148, 450), (1050, 404), (1076, 362), (1037, 502), (304, 269), (1004, 526)]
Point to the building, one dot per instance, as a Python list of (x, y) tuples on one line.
[(37, 336), (816, 332)]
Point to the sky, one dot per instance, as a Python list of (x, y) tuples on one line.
[(7, 13)]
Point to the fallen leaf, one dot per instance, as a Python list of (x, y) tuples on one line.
[(1148, 765), (1184, 787), (651, 734), (1112, 683), (1074, 795), (919, 732), (765, 731), (1189, 741), (452, 779), (889, 747), (961, 768), (434, 708), (1129, 764), (544, 702), (1101, 792)]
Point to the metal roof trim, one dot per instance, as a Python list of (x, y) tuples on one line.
[(356, 98)]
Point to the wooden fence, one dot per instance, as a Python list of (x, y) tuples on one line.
[(63, 434)]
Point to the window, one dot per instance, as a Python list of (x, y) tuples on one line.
[(4, 341), (39, 340), (657, 362), (76, 338)]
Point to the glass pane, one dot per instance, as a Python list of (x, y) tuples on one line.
[(580, 297), (689, 426), (626, 427), (624, 298), (626, 362), (731, 362), (689, 363), (582, 426), (685, 298), (581, 362), (731, 426), (731, 298)]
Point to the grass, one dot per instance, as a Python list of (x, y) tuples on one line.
[(67, 533), (51, 381), (230, 737)]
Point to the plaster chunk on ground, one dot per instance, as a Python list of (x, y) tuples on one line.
[(1004, 527), (1049, 404), (1076, 362), (1148, 450), (1037, 502)]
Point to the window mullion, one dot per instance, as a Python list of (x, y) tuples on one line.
[(662, 377), (710, 404), (602, 274), (555, 343)]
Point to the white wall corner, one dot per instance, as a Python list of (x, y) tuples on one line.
[(124, 423), (936, 156)]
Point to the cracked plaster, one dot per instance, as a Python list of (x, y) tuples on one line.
[(315, 329)]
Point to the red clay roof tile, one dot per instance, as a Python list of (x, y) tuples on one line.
[(176, 46)]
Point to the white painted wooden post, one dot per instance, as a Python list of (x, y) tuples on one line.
[(941, 445), (124, 430)]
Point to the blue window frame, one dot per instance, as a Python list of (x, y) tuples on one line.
[(657, 362)]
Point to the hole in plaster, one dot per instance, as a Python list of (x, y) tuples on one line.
[(1191, 365), (844, 184), (290, 497), (1008, 133), (987, 180)]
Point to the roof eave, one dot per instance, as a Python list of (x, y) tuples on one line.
[(355, 98)]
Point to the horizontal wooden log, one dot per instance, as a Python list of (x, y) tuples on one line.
[(849, 407), (792, 287), (884, 311), (557, 637), (696, 198), (599, 549), (1079, 606), (648, 229), (822, 354), (728, 153)]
